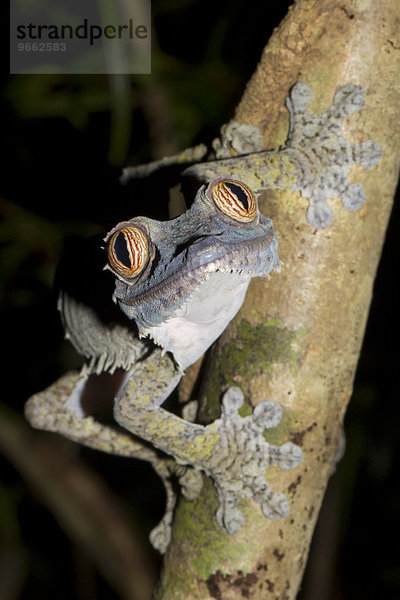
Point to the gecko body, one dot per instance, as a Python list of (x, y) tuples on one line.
[(177, 285)]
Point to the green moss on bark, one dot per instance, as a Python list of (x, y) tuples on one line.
[(256, 349)]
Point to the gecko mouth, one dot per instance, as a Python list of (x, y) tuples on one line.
[(194, 265)]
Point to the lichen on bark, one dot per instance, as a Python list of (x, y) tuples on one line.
[(317, 306)]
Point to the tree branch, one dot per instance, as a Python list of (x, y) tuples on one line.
[(298, 336), (84, 507)]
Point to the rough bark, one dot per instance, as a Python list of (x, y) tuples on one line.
[(298, 336)]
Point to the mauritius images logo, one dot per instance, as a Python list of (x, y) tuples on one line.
[(51, 39)]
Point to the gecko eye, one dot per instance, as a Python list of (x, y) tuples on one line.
[(128, 251), (235, 199)]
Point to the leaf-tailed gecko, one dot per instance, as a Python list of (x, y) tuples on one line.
[(179, 283)]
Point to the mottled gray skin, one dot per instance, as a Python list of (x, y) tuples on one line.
[(315, 160), (205, 261), (185, 299)]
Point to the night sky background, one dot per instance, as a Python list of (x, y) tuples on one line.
[(65, 140)]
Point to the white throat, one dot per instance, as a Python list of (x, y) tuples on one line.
[(202, 318)]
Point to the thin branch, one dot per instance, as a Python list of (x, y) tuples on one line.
[(84, 507)]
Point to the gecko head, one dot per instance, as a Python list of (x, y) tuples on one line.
[(194, 264)]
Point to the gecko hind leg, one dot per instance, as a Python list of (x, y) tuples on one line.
[(57, 409), (320, 139), (315, 160)]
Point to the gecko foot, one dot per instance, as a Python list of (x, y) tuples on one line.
[(231, 450), (58, 409), (320, 139), (238, 468)]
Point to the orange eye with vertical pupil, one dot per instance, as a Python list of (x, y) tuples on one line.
[(128, 251), (235, 199)]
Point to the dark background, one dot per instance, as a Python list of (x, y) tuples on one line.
[(64, 141)]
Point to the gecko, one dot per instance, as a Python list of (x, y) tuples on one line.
[(177, 285)]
